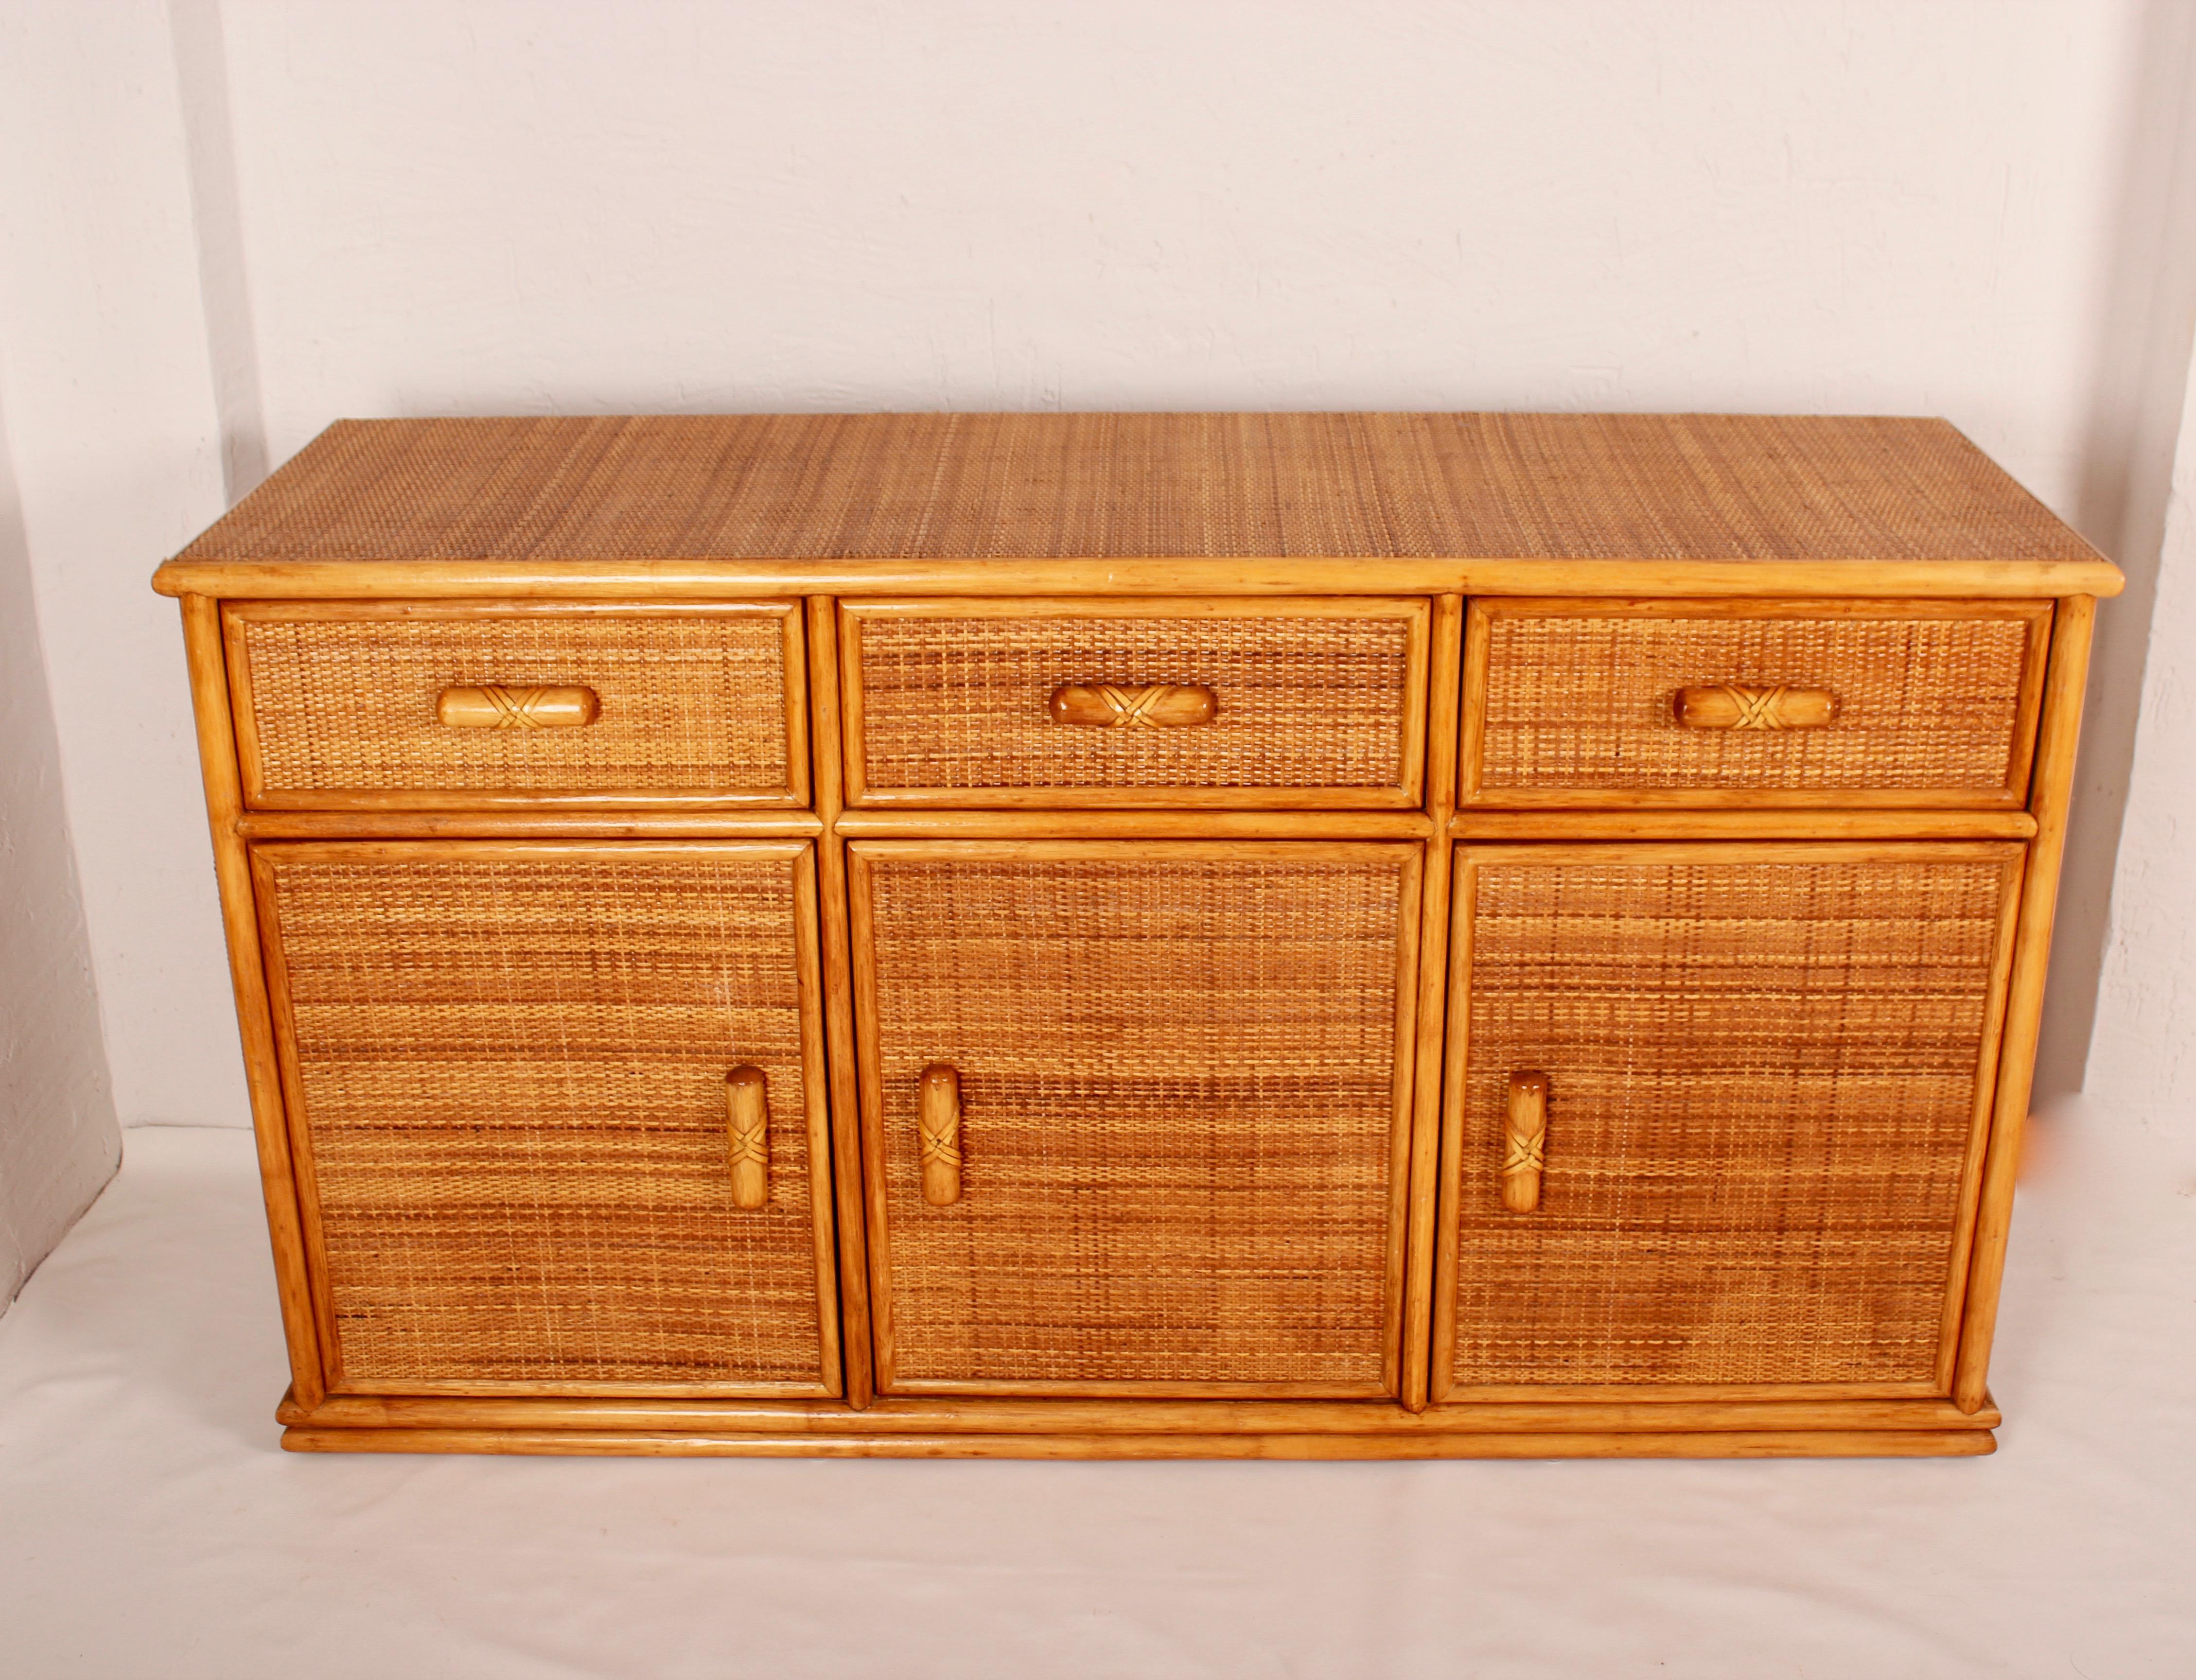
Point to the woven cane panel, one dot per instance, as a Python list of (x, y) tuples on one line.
[(689, 704), (1762, 1078), (1176, 1081), (1585, 702), (514, 1075), (1304, 702), (960, 486)]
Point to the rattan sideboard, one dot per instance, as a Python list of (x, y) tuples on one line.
[(1269, 935)]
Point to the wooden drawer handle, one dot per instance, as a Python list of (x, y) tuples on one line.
[(747, 1130), (1524, 1135), (1157, 705), (939, 1127), (491, 706), (1736, 706)]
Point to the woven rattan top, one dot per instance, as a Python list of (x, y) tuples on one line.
[(866, 487)]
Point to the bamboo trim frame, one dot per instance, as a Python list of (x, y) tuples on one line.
[(1770, 1408), (845, 1156), (2059, 739), (1976, 577), (1805, 1443), (793, 790), (278, 1179), (1420, 1277)]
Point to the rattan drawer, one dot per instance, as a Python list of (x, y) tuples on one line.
[(1751, 703), (1266, 703), (427, 706)]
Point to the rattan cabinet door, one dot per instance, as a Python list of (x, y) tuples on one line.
[(507, 1068), (1184, 1096), (1766, 1078)]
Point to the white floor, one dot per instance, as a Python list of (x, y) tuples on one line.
[(149, 1526)]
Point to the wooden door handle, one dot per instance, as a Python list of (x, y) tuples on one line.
[(1739, 706), (1524, 1135), (1156, 705), (938, 1127), (747, 1133), (492, 706)]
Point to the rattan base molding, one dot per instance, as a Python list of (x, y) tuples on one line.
[(1189, 1429), (1287, 937), (1608, 1444)]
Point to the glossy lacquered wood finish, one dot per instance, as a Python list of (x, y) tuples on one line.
[(1063, 719)]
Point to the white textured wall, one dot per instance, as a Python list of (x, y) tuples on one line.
[(105, 383), (58, 1140), (480, 206), (266, 215), (2145, 1053)]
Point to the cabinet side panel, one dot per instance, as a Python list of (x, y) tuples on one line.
[(217, 749), (2058, 736)]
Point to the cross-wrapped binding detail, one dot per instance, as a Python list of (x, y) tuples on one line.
[(1524, 1132), (1118, 705), (493, 706), (1742, 706), (747, 1135), (938, 1134)]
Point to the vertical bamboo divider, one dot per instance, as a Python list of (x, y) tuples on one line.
[(1420, 1270), (846, 1177), (2060, 732), (217, 737)]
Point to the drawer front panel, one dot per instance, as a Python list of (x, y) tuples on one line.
[(507, 1064), (1183, 1097), (1898, 703), (1295, 702), (340, 705), (1765, 1090)]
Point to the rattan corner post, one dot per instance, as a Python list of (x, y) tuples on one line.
[(1111, 936)]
